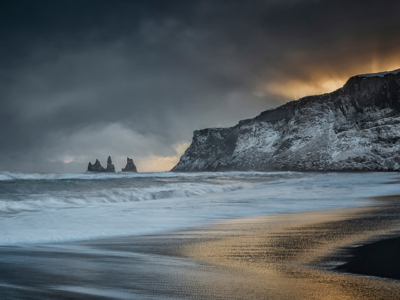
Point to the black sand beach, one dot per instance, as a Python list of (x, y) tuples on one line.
[(380, 258), (286, 256)]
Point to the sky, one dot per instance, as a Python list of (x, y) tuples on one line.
[(85, 79)]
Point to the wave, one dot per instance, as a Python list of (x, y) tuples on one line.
[(7, 176), (58, 211), (34, 202)]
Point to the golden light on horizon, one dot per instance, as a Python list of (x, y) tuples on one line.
[(155, 163), (320, 79), (296, 89)]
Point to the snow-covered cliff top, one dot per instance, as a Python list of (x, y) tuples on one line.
[(356, 127), (381, 74)]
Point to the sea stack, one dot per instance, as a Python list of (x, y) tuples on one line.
[(97, 167), (130, 166), (110, 166)]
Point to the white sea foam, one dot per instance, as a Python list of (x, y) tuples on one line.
[(7, 176), (81, 176), (70, 208), (59, 200)]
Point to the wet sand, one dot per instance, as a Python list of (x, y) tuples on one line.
[(290, 256), (295, 256)]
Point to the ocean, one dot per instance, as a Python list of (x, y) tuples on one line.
[(115, 236), (49, 208)]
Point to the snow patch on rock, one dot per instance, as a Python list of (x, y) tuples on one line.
[(356, 127)]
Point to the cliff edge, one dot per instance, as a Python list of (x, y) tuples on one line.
[(355, 128)]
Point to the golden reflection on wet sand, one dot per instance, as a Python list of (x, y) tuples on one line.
[(279, 257)]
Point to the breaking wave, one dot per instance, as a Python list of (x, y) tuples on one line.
[(6, 176), (18, 203), (42, 208)]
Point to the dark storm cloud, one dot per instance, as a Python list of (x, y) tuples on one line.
[(80, 78)]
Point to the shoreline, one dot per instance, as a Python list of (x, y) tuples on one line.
[(301, 251), (284, 256)]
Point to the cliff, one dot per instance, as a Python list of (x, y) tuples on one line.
[(355, 128)]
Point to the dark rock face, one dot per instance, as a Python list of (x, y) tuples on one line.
[(356, 127), (110, 166), (98, 168), (130, 166)]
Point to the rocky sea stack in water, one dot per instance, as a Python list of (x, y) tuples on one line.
[(110, 166), (130, 166), (355, 128), (98, 168)]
